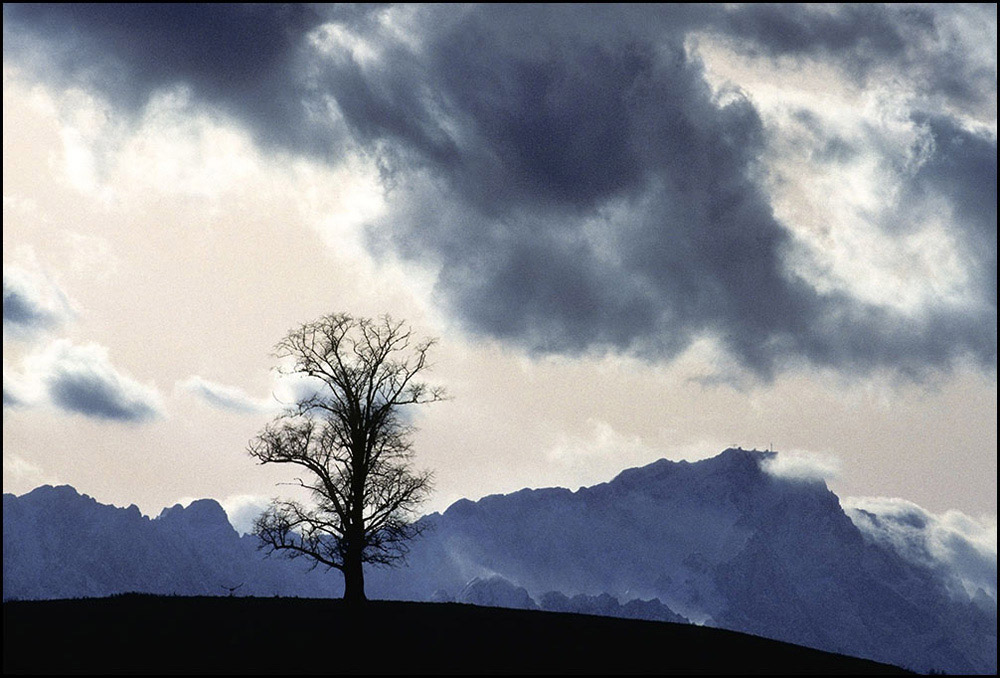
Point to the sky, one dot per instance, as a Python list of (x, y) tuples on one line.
[(637, 232)]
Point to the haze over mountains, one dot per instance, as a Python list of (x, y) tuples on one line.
[(725, 541)]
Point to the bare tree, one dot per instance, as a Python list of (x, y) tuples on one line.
[(351, 437)]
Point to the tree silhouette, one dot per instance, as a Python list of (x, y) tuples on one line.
[(350, 435)]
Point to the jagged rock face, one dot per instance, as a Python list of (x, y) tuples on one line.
[(718, 541), (658, 531), (60, 544)]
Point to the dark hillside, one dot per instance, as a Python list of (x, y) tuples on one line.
[(150, 634)]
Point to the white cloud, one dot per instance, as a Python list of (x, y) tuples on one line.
[(286, 390), (962, 549), (243, 509), (17, 391), (802, 465), (291, 388), (20, 471), (179, 150), (81, 380), (226, 397), (597, 440)]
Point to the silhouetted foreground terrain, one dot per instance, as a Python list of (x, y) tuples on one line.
[(152, 634)]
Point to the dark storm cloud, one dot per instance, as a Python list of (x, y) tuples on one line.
[(552, 136), (963, 169), (240, 58), (571, 170), (588, 190), (801, 29), (867, 39)]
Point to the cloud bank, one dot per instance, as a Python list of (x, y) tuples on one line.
[(575, 177), (961, 549)]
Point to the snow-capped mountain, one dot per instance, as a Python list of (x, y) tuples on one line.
[(721, 541)]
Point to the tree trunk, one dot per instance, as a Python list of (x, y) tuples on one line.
[(354, 577), (354, 574)]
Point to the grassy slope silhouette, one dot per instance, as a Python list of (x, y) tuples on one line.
[(156, 634)]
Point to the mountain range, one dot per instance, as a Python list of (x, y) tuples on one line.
[(722, 542)]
